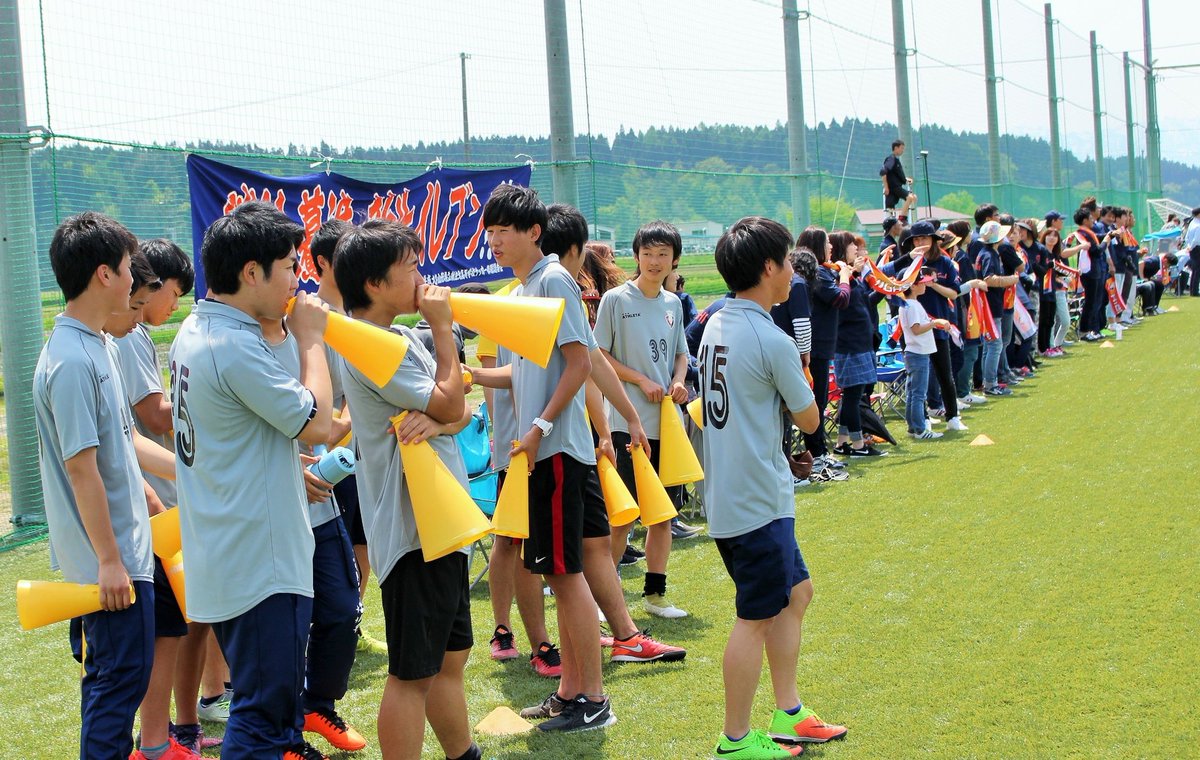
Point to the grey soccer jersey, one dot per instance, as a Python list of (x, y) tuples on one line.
[(243, 510), (533, 386), (387, 510), (644, 334), (749, 372), (79, 403), (143, 377), (287, 352)]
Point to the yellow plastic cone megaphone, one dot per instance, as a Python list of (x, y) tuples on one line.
[(447, 517), (621, 506), (512, 508), (173, 566), (372, 350), (526, 325), (653, 501), (677, 462), (164, 533), (41, 603), (696, 411)]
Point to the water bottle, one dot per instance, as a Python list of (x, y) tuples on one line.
[(334, 465)]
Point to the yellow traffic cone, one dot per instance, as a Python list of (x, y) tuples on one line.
[(41, 603), (696, 411), (447, 517), (621, 506), (677, 462), (653, 501), (525, 325), (511, 517), (164, 533), (174, 569)]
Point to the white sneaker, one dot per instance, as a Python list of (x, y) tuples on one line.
[(657, 604), (976, 399), (964, 403), (798, 483), (955, 423), (217, 712), (926, 435)]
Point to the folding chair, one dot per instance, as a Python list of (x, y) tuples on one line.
[(474, 443), (830, 423), (891, 372)]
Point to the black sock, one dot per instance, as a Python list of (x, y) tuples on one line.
[(228, 686), (474, 753), (656, 583), (206, 701)]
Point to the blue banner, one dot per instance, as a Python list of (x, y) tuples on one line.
[(444, 206)]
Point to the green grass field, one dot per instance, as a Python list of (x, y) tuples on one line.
[(1033, 599)]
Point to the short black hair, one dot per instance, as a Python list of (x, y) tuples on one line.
[(365, 254), (515, 206), (746, 247), (1007, 220), (984, 212), (658, 232), (897, 144), (253, 232), (143, 274), (1196, 211), (325, 240), (81, 244), (565, 227), (169, 262), (1081, 215)]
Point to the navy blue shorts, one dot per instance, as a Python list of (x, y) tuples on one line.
[(346, 493), (168, 620), (765, 565)]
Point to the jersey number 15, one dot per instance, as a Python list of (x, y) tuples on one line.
[(714, 386)]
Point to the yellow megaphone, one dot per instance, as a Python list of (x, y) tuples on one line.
[(370, 349), (696, 411), (173, 566), (621, 506), (41, 603), (677, 462), (164, 533), (446, 515), (511, 517), (653, 501), (526, 325)]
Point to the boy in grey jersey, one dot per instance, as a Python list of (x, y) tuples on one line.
[(749, 369), (237, 416), (426, 605), (94, 496), (549, 404), (639, 327)]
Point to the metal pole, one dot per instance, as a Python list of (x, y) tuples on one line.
[(797, 130), (462, 57), (900, 48), (1097, 114), (1052, 89), (1130, 148), (993, 118), (1153, 152), (562, 123), (21, 316), (928, 194)]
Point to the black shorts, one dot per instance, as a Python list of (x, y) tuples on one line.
[(625, 466), (894, 199), (765, 565), (595, 514), (168, 619), (346, 494), (426, 613), (556, 509)]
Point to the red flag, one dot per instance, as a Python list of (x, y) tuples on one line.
[(1114, 296), (988, 329)]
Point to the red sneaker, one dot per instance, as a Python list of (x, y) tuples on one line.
[(641, 648), (175, 751), (546, 661), (503, 646)]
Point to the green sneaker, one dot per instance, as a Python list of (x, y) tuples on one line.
[(804, 726), (756, 745)]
